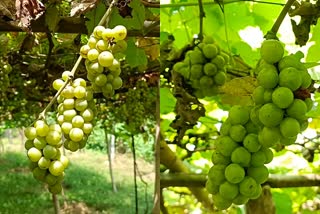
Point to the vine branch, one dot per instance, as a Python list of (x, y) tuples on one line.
[(201, 16), (281, 16)]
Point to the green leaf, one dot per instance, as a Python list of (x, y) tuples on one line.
[(52, 18), (167, 101), (310, 64), (313, 53), (283, 202), (136, 22), (94, 16), (135, 56)]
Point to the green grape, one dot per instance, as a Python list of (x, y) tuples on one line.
[(228, 190), (258, 158), (282, 97), (290, 78), (289, 127), (268, 78), (270, 115), (241, 156), (271, 51), (248, 186), (234, 173), (239, 115), (260, 174)]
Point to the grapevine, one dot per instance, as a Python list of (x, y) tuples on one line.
[(204, 67), (76, 109)]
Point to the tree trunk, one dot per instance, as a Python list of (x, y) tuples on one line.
[(262, 205), (172, 162)]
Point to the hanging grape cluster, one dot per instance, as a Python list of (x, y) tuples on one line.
[(75, 111), (4, 78), (103, 68), (46, 161), (204, 67), (282, 98), (239, 161), (139, 102)]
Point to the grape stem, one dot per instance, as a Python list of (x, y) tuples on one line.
[(281, 16), (103, 21), (201, 16)]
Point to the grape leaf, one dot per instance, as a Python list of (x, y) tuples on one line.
[(82, 7), (135, 56), (136, 22), (94, 16), (52, 18), (238, 91), (167, 101)]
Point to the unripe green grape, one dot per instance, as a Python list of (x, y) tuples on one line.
[(68, 92), (297, 109), (237, 133), (120, 32), (42, 129), (289, 127), (290, 78), (267, 96), (271, 51), (251, 143), (268, 78), (102, 45), (210, 69), (258, 95), (60, 119), (55, 127), (229, 190), (196, 57), (225, 145), (66, 75), (234, 173), (105, 59), (44, 163), (220, 78), (212, 189), (303, 125), (34, 154), (282, 97), (208, 40), (220, 202), (93, 55), (56, 168), (89, 95), (305, 79), (39, 174), (100, 80), (225, 127), (39, 142), (81, 104), (28, 144), (206, 81), (269, 136), (73, 146), (77, 121), (241, 156), (239, 115), (248, 186), (79, 82), (67, 105), (95, 68), (110, 78), (252, 128), (79, 92), (64, 160), (216, 174), (57, 84), (53, 138), (69, 114), (115, 66), (257, 193), (66, 127), (87, 128), (56, 188), (116, 83), (254, 116), (268, 153), (289, 61), (32, 165), (107, 34), (30, 133), (218, 158), (92, 41), (219, 61), (196, 72), (84, 50), (240, 199), (288, 140), (260, 174), (258, 158), (97, 31), (76, 134), (49, 152), (108, 89), (50, 179), (309, 103), (210, 51), (115, 72), (270, 115)]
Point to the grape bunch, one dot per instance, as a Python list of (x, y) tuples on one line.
[(75, 111), (239, 161), (46, 161), (282, 98), (204, 67), (103, 68), (4, 78)]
